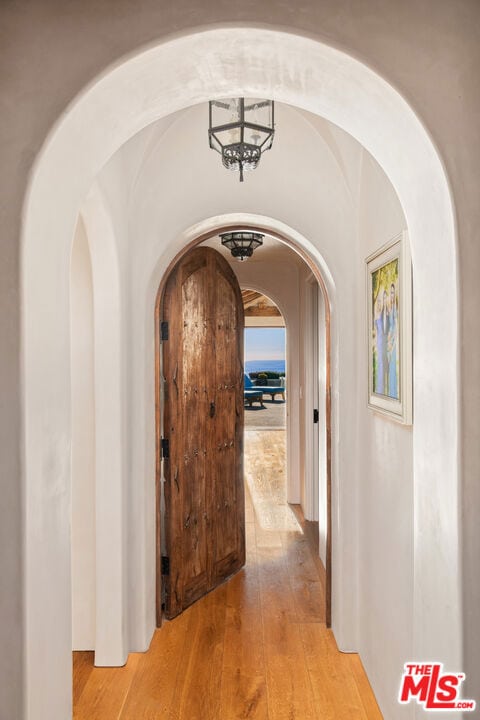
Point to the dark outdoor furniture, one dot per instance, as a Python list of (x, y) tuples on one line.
[(266, 389), (250, 396)]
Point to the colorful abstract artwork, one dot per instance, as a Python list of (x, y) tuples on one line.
[(389, 330), (385, 331)]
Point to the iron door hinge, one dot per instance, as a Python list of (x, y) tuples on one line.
[(164, 330), (165, 565), (165, 445), (315, 416)]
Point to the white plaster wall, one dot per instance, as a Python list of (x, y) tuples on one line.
[(384, 483), (83, 446), (111, 427), (429, 51)]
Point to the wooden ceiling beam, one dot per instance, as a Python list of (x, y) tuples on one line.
[(250, 296), (264, 311)]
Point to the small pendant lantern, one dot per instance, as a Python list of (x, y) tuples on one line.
[(242, 243), (241, 129)]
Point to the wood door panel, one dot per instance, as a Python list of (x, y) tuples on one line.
[(229, 497), (225, 336), (225, 493), (203, 420)]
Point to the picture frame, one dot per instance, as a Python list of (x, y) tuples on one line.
[(389, 329)]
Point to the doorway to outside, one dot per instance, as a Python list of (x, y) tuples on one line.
[(270, 475), (280, 527), (265, 418)]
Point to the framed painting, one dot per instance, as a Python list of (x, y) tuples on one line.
[(389, 320)]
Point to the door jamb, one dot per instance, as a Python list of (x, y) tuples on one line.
[(313, 445)]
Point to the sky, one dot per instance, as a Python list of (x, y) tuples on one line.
[(264, 343)]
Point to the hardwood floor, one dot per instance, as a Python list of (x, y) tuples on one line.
[(257, 647)]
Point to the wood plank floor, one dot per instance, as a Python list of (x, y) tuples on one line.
[(257, 647)]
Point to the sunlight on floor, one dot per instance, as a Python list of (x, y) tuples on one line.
[(265, 473), (257, 646)]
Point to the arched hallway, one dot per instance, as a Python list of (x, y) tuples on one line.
[(149, 231), (105, 117)]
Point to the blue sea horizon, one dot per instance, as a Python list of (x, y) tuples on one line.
[(263, 365)]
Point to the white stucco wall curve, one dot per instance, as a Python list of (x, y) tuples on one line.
[(156, 82), (111, 642)]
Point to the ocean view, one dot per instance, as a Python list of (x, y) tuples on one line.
[(262, 365)]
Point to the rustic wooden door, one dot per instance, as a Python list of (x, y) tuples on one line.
[(203, 424)]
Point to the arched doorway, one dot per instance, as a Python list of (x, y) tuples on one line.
[(323, 365), (50, 216)]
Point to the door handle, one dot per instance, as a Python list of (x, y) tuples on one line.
[(315, 416), (212, 409)]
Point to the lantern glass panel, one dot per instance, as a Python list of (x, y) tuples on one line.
[(225, 111), (255, 137), (215, 143), (228, 137), (258, 112)]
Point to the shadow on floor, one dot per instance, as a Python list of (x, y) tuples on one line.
[(272, 415)]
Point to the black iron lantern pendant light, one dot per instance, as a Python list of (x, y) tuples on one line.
[(241, 129), (242, 243)]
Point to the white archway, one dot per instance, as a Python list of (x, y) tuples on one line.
[(152, 84), (83, 542), (310, 256), (297, 243), (111, 644)]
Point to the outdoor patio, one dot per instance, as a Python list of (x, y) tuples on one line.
[(270, 417)]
